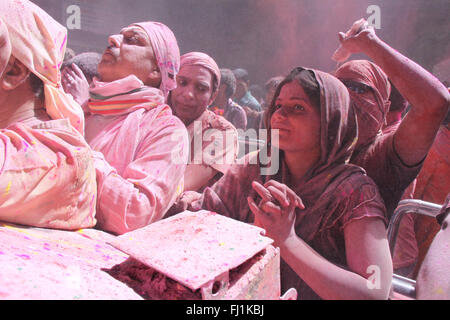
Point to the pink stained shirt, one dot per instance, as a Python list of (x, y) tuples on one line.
[(146, 154), (432, 185), (47, 176)]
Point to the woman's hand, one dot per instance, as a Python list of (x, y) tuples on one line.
[(75, 83), (183, 202), (5, 47), (358, 37), (276, 211)]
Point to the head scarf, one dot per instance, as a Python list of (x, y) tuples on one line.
[(166, 51), (203, 60), (318, 187), (39, 42), (330, 190), (371, 109), (338, 122)]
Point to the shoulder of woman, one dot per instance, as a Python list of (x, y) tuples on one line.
[(356, 180)]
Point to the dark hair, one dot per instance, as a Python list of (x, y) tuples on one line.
[(227, 78), (68, 54), (241, 74), (87, 62), (256, 91), (273, 83), (304, 78), (37, 85)]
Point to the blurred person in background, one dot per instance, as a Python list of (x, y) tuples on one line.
[(223, 104), (242, 95)]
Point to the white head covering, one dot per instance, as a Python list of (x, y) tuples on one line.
[(167, 53)]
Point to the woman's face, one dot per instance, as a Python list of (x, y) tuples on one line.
[(297, 120), (193, 93)]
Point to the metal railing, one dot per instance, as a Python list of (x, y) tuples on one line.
[(409, 206), (403, 285)]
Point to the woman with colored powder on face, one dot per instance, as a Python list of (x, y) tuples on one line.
[(47, 176), (214, 140), (393, 159), (142, 147), (326, 215)]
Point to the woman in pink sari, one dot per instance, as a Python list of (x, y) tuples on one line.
[(142, 148), (47, 174), (326, 215)]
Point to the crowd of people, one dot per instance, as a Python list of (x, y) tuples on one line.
[(119, 140)]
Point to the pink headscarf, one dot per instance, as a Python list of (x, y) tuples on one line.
[(166, 51), (39, 42), (205, 61), (370, 109)]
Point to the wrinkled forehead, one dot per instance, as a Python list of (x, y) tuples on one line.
[(195, 72), (137, 31)]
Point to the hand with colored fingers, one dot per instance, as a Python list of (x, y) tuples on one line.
[(5, 47), (74, 82), (276, 211)]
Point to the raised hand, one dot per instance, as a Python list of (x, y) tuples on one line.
[(355, 40)]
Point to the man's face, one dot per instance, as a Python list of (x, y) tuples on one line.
[(193, 93), (129, 52), (241, 88), (221, 98)]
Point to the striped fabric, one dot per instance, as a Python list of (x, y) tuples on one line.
[(123, 96), (113, 107)]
